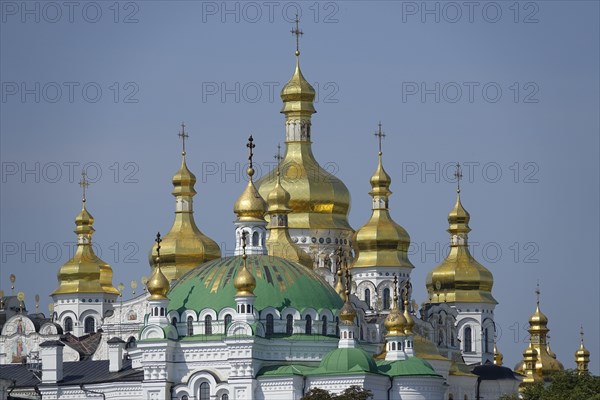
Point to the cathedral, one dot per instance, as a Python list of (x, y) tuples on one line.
[(305, 302)]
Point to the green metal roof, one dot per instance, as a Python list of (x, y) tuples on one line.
[(344, 361), (412, 366), (284, 370), (279, 283)]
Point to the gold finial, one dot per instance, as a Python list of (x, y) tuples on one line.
[(410, 323), (395, 321), (84, 183), (158, 285), (183, 136), (244, 234), (379, 135), (133, 286), (250, 145), (158, 240), (12, 279), (121, 287), (297, 32), (498, 357), (244, 281), (20, 297), (279, 158), (37, 303), (537, 293), (458, 175)]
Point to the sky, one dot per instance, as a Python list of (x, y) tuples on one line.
[(509, 89)]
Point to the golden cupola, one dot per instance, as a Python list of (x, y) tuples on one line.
[(410, 322), (244, 282), (279, 243), (381, 242), (538, 330), (184, 246), (158, 284), (318, 199), (498, 357), (347, 312), (395, 322), (85, 272), (582, 357), (250, 206), (460, 278)]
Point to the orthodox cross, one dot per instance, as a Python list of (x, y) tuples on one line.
[(250, 145), (297, 32), (244, 234), (379, 135), (183, 136), (84, 183), (158, 240), (458, 175), (537, 293)]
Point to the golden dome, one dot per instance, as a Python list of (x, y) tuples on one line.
[(381, 242), (339, 284), (244, 281), (410, 322), (158, 284), (538, 320), (250, 205), (347, 312), (85, 272), (297, 94), (185, 246), (279, 243), (498, 357), (460, 278), (395, 322), (582, 357)]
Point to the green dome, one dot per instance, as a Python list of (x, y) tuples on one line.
[(412, 366), (348, 360), (279, 283)]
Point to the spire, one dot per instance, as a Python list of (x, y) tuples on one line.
[(410, 323), (184, 246), (395, 322), (381, 242), (460, 278), (158, 284), (250, 206), (244, 282), (582, 357), (280, 243), (85, 272)]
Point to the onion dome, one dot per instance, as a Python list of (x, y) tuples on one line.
[(395, 321), (381, 242), (582, 357), (339, 284), (348, 312), (460, 278), (250, 205), (244, 282), (279, 242), (158, 284), (280, 283), (410, 322), (318, 199), (498, 357), (184, 246), (85, 272)]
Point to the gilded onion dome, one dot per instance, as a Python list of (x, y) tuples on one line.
[(538, 330), (460, 278), (498, 357), (244, 281), (318, 199), (185, 246), (395, 322), (250, 206), (158, 284), (381, 242), (582, 357), (279, 243), (348, 312), (85, 272)]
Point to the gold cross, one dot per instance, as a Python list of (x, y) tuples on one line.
[(458, 175), (84, 183), (183, 136), (298, 33), (379, 135), (158, 240), (250, 145)]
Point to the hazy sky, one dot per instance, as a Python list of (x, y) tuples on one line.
[(509, 89)]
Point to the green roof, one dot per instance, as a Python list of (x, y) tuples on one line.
[(412, 366), (279, 283), (345, 361), (284, 370)]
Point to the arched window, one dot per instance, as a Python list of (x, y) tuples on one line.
[(243, 308), (68, 324), (208, 325), (89, 326), (225, 396), (308, 326), (468, 340), (486, 342), (184, 397), (368, 297), (393, 345), (289, 326), (324, 325), (190, 326), (451, 397), (162, 312), (227, 320), (270, 328), (255, 239), (386, 299), (204, 391), (130, 343), (174, 321)]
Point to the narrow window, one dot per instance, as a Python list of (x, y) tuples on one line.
[(204, 391), (270, 329), (208, 325), (227, 320), (368, 297), (324, 325), (190, 326), (289, 326), (468, 340), (308, 326), (386, 299), (68, 324), (89, 325)]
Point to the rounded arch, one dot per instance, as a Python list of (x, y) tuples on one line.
[(205, 312), (189, 313), (270, 310), (325, 313), (173, 314), (290, 310), (309, 311), (89, 324), (225, 311)]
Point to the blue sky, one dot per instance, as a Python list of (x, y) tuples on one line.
[(510, 89)]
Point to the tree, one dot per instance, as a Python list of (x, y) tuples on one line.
[(351, 393), (565, 385)]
